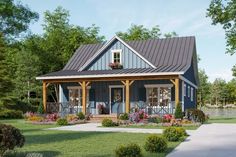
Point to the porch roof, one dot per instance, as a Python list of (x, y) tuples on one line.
[(73, 74)]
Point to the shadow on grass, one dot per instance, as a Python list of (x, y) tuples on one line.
[(57, 136), (33, 154)]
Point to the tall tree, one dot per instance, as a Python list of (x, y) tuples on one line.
[(234, 70), (223, 12), (204, 88), (5, 82), (219, 91), (139, 32), (15, 18), (231, 91)]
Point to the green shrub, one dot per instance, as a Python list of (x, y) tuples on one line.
[(10, 137), (40, 108), (178, 111), (10, 114), (108, 123), (62, 121), (124, 116), (172, 134), (81, 115), (130, 150), (155, 119), (196, 115), (155, 143), (182, 131)]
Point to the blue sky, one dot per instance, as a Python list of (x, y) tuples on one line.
[(185, 17)]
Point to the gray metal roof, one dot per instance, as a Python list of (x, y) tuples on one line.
[(167, 55)]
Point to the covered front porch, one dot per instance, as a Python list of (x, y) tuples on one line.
[(115, 95)]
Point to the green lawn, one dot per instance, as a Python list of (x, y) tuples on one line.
[(156, 127), (75, 144), (222, 120)]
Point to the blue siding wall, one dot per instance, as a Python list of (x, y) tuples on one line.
[(188, 104), (129, 58)]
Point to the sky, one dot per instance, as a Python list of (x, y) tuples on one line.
[(185, 17)]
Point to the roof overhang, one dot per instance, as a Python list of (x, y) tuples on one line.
[(108, 75)]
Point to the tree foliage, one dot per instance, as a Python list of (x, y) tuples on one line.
[(204, 88), (139, 32), (223, 12), (15, 18)]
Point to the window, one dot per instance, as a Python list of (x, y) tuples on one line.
[(188, 91), (158, 95), (184, 89), (191, 94), (116, 56), (75, 95)]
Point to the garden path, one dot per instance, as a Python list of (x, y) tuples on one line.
[(209, 140), (97, 127)]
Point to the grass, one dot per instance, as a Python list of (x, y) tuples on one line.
[(156, 127), (53, 143), (222, 120)]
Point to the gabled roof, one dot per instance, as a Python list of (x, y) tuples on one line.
[(169, 55)]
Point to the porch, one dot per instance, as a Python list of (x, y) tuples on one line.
[(112, 96)]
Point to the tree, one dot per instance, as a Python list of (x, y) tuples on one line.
[(6, 84), (234, 70), (219, 91), (139, 32), (204, 87), (231, 91), (223, 12), (15, 18)]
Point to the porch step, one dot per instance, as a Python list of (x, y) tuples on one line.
[(100, 117)]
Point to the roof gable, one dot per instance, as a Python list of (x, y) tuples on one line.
[(105, 46)]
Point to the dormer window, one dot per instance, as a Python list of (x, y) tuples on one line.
[(116, 56)]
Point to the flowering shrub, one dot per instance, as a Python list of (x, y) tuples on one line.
[(71, 117), (138, 116), (51, 117), (167, 118), (35, 119), (115, 65), (28, 115)]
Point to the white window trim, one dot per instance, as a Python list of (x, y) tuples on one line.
[(115, 51), (77, 87), (191, 94), (189, 91), (157, 85), (185, 90)]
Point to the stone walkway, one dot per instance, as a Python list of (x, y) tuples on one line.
[(97, 127), (210, 140)]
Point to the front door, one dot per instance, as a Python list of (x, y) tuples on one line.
[(116, 99)]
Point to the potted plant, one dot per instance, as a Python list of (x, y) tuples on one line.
[(115, 65)]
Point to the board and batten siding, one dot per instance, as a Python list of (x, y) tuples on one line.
[(130, 60)]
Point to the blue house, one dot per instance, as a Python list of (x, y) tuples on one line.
[(118, 76)]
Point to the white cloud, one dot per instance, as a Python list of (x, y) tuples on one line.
[(225, 74)]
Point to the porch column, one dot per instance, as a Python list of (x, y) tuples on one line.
[(84, 85), (176, 91), (127, 84), (44, 96)]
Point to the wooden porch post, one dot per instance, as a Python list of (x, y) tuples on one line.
[(84, 85), (176, 91), (127, 84), (44, 96)]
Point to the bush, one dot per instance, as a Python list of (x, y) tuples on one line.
[(81, 115), (196, 115), (71, 117), (155, 119), (108, 123), (167, 118), (155, 143), (35, 118), (40, 108), (51, 117), (124, 116), (130, 150), (172, 134), (182, 131), (178, 112), (10, 114), (10, 137), (62, 121)]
